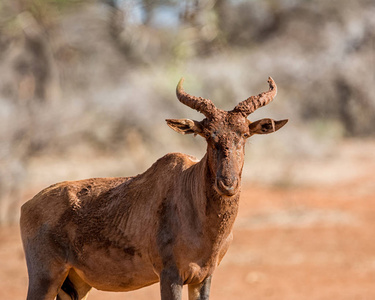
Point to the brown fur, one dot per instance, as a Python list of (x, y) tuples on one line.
[(172, 224)]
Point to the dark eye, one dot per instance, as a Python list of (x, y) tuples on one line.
[(246, 135)]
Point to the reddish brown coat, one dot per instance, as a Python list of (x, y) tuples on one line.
[(172, 224)]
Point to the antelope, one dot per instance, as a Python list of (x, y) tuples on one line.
[(171, 224)]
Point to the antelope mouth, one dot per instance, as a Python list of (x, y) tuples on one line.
[(226, 188)]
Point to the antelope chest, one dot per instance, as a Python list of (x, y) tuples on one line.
[(196, 261)]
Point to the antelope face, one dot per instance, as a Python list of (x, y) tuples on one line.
[(226, 137), (226, 134)]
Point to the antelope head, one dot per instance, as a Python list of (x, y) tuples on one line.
[(226, 133)]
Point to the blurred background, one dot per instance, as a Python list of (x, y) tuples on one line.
[(85, 87)]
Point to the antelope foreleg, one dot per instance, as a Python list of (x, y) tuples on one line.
[(170, 284)]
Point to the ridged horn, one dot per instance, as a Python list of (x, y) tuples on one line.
[(204, 106), (251, 104)]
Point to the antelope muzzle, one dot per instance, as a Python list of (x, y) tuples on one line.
[(227, 185)]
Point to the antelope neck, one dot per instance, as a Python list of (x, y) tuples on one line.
[(220, 211)]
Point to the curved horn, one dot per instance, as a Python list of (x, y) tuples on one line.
[(251, 104), (204, 106)]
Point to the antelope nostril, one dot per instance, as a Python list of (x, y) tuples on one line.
[(228, 181), (225, 186)]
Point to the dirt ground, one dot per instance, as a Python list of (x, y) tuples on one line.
[(290, 242)]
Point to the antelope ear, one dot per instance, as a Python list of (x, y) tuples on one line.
[(265, 126), (185, 126)]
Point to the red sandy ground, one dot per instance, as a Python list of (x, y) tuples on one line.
[(289, 243)]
